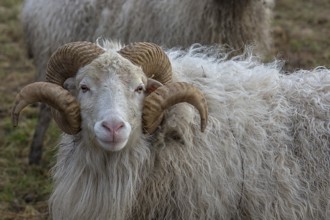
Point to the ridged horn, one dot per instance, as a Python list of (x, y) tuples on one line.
[(152, 59), (53, 95), (65, 63), (67, 59), (168, 95)]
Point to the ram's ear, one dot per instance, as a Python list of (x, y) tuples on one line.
[(69, 84), (152, 85)]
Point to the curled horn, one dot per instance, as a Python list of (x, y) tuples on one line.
[(155, 64), (53, 95), (152, 59), (67, 60), (64, 63), (170, 94)]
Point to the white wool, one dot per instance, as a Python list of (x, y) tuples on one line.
[(264, 155)]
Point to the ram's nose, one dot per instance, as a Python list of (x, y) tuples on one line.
[(112, 133), (113, 127)]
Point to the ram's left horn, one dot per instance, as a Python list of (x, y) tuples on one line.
[(168, 95), (152, 59)]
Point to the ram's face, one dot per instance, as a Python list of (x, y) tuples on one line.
[(106, 96), (111, 92)]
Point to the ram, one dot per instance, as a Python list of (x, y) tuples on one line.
[(184, 134), (49, 24)]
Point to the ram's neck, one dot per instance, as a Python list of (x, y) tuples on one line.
[(85, 175)]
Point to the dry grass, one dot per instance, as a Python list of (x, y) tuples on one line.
[(24, 189), (301, 31)]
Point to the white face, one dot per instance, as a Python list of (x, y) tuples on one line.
[(111, 102)]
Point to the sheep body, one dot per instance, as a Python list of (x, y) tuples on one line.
[(264, 155), (49, 24)]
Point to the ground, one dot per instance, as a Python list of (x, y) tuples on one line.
[(301, 31)]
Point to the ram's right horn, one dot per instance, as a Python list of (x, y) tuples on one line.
[(64, 63), (56, 97)]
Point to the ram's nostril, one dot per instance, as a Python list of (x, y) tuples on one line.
[(119, 126), (106, 125)]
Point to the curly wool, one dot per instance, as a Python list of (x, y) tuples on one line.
[(49, 24), (264, 155)]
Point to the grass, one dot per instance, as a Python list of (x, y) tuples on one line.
[(300, 31), (24, 189)]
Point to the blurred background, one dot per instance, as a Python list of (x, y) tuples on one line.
[(301, 36)]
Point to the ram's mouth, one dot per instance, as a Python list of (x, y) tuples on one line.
[(112, 145)]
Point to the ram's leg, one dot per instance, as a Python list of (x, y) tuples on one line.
[(39, 134)]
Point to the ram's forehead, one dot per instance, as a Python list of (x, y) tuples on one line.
[(111, 62)]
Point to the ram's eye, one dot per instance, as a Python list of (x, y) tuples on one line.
[(139, 89), (84, 88)]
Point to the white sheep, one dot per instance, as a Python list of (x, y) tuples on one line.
[(131, 152), (49, 24)]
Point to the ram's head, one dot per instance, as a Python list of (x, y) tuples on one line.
[(112, 91)]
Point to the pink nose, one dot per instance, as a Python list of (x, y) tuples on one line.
[(113, 127)]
